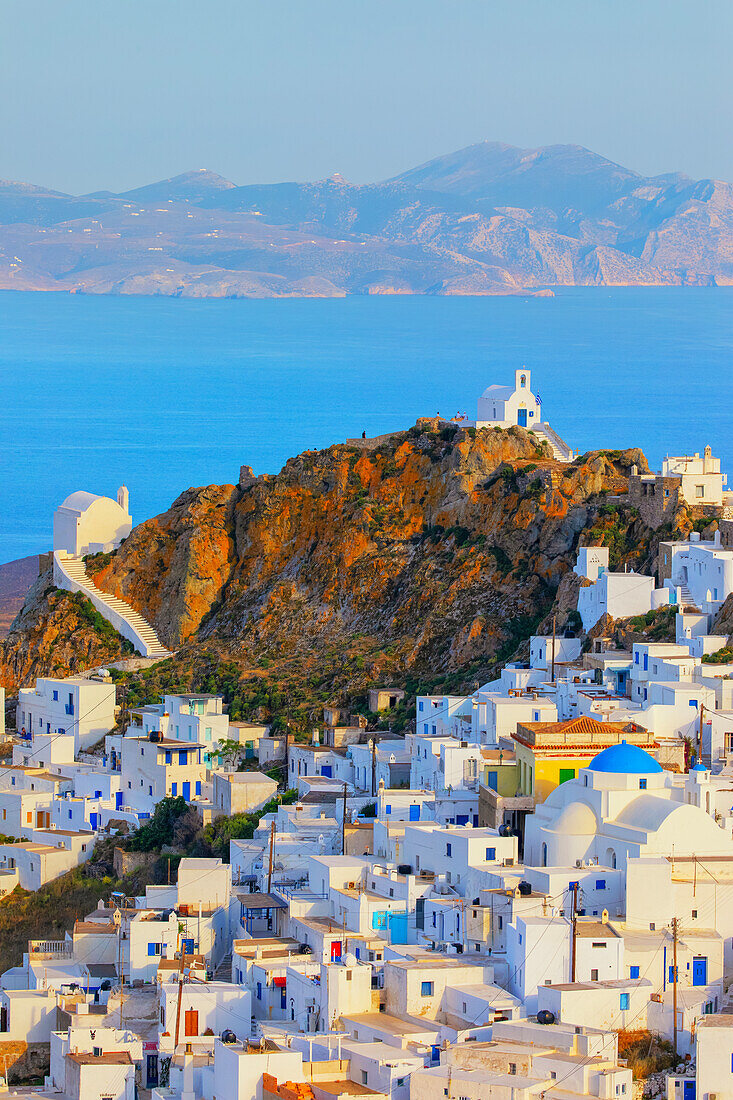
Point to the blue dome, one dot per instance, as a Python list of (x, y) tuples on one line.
[(624, 759), (699, 768)]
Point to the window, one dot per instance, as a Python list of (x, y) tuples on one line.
[(633, 971), (513, 1068), (168, 756), (419, 705), (520, 937), (599, 943), (642, 784), (154, 948), (692, 703), (600, 884), (426, 989), (348, 975), (699, 490), (174, 789), (535, 716), (198, 787), (448, 849), (490, 854), (364, 1077), (623, 1002), (55, 697), (594, 975), (182, 756), (400, 1082), (694, 911)]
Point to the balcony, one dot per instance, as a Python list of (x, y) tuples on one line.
[(50, 949), (69, 708)]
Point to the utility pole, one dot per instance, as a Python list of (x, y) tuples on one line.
[(574, 932), (374, 766), (123, 711), (554, 627), (699, 737), (287, 761), (343, 824), (180, 991), (272, 852), (675, 933)]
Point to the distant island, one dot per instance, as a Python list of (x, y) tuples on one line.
[(488, 219)]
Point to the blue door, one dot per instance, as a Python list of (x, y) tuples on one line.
[(493, 781), (414, 813), (522, 418), (700, 970), (118, 806), (186, 791), (187, 947), (327, 770), (688, 1091), (93, 819)]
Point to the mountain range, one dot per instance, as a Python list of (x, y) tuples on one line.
[(488, 219)]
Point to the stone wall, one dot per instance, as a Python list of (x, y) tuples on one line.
[(20, 1060), (657, 498), (125, 863)]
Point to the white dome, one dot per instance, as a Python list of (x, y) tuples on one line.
[(577, 819), (81, 500)]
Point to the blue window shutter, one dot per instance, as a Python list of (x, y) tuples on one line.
[(600, 884), (198, 786), (633, 971), (174, 789), (151, 949), (168, 756), (623, 1001), (182, 756), (490, 853)]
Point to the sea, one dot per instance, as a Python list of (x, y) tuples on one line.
[(161, 393)]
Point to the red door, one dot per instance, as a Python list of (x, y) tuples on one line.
[(336, 951)]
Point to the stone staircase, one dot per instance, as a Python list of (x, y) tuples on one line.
[(69, 573), (560, 450), (687, 599)]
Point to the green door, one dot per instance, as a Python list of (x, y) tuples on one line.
[(566, 773)]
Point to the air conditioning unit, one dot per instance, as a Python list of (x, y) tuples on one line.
[(508, 862), (579, 863)]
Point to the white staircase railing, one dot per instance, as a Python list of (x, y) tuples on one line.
[(70, 574)]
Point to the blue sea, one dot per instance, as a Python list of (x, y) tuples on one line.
[(162, 394)]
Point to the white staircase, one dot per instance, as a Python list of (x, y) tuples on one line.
[(560, 450), (687, 599), (69, 573)]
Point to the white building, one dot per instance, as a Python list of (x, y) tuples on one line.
[(703, 571), (89, 524), (619, 595), (702, 481), (81, 708)]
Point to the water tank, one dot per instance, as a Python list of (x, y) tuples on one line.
[(305, 949), (544, 1016), (154, 736), (505, 830), (525, 889), (404, 868), (228, 1036)]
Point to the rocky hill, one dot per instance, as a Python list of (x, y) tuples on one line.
[(489, 219), (427, 556)]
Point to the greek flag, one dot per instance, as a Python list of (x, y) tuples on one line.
[(538, 399)]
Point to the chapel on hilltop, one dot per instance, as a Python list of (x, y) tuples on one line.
[(504, 407)]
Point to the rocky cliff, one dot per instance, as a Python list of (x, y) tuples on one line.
[(431, 552)]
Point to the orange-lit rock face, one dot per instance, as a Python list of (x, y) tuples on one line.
[(432, 544)]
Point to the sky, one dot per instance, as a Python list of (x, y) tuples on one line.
[(113, 94)]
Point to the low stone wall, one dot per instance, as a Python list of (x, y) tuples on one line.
[(20, 1060), (125, 863)]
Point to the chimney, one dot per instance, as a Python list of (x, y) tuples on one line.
[(316, 739), (123, 498)]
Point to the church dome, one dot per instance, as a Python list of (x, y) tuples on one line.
[(624, 759), (577, 819), (699, 768)]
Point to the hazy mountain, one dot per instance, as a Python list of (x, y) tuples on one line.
[(488, 219)]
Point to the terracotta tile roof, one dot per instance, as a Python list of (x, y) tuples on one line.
[(583, 725)]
